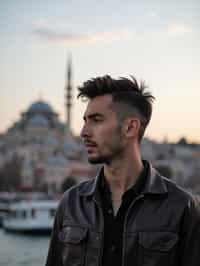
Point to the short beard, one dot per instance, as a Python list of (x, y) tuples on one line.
[(99, 160), (116, 151), (107, 159)]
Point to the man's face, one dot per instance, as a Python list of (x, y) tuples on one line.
[(101, 131)]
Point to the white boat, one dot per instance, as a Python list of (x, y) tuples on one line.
[(5, 199), (30, 216)]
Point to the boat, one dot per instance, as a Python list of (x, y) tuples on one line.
[(30, 216), (5, 199)]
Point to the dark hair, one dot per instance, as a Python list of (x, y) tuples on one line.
[(126, 93)]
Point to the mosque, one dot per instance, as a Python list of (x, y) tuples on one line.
[(49, 151)]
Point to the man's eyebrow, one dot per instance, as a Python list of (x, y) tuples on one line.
[(92, 116)]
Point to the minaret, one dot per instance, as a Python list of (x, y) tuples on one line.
[(68, 90), (69, 143)]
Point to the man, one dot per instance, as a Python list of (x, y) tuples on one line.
[(129, 215)]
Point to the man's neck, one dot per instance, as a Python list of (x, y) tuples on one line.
[(122, 175)]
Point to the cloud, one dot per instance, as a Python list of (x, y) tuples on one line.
[(178, 29), (44, 31), (41, 23), (51, 35), (152, 14)]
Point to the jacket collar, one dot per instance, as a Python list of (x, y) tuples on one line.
[(154, 184)]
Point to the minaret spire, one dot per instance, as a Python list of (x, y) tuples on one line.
[(68, 89)]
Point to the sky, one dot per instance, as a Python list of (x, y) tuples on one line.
[(155, 41)]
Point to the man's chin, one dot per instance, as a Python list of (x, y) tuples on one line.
[(96, 160)]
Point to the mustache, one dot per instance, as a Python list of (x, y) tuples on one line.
[(89, 142)]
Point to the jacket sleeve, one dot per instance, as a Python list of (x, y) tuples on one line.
[(190, 240), (54, 252)]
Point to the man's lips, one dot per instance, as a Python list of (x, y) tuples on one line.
[(90, 145)]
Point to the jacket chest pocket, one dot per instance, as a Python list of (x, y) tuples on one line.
[(73, 245), (157, 248)]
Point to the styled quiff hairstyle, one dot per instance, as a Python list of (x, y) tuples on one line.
[(129, 97)]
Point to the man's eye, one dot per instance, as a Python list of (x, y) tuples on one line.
[(97, 120)]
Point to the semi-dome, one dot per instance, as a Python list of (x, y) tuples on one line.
[(40, 106), (50, 141), (38, 120), (57, 160)]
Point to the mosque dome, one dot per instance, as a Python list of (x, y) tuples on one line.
[(40, 106)]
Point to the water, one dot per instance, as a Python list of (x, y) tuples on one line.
[(22, 250)]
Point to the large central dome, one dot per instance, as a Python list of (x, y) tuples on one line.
[(39, 114), (40, 107)]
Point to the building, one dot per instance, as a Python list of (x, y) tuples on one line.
[(46, 146)]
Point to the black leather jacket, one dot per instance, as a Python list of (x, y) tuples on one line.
[(165, 230)]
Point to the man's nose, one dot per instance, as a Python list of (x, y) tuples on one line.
[(85, 132)]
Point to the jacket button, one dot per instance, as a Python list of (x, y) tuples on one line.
[(110, 211), (113, 248)]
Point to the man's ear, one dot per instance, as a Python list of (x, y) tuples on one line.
[(132, 127)]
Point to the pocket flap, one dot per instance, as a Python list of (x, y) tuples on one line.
[(160, 241), (72, 234)]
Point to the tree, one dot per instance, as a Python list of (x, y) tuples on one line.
[(182, 141), (10, 174)]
